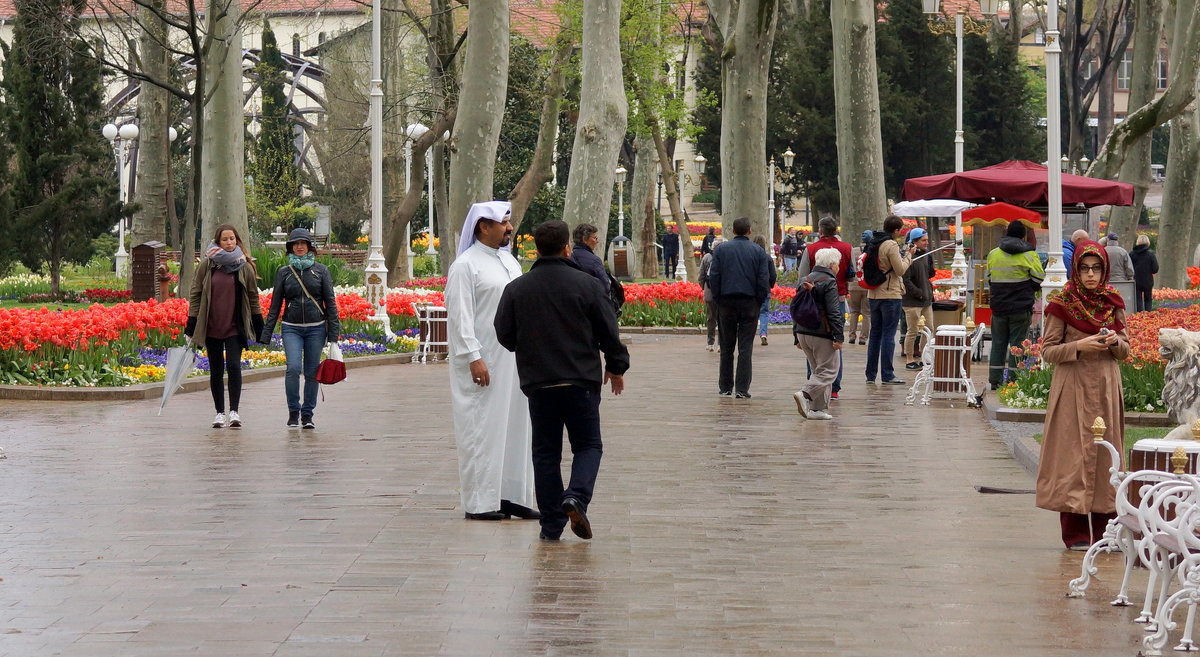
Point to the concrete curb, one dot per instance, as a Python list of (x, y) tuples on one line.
[(154, 390), (692, 330), (996, 411)]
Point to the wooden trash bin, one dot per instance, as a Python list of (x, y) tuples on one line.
[(951, 346), (146, 271)]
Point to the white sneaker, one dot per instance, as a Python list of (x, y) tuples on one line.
[(819, 415), (234, 419), (219, 421), (801, 405), (710, 348)]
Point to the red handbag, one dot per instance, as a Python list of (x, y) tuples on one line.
[(332, 369)]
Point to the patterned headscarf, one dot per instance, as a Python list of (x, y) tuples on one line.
[(1088, 310)]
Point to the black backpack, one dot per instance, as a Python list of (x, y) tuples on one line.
[(873, 276), (616, 293), (806, 311)]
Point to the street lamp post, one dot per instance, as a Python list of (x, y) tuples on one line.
[(1056, 271), (621, 200), (788, 158), (429, 202), (413, 132), (376, 269), (962, 23), (121, 138)]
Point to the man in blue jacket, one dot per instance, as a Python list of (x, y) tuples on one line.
[(740, 278), (558, 319)]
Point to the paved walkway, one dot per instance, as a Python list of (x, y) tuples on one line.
[(723, 527)]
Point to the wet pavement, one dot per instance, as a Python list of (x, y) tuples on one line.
[(723, 527)]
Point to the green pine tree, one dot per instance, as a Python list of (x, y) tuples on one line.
[(63, 191), (998, 105), (276, 178)]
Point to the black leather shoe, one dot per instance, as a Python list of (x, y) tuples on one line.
[(546, 537), (742, 395), (518, 511), (579, 520), (486, 515)]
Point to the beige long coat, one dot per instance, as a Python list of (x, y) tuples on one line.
[(1073, 472)]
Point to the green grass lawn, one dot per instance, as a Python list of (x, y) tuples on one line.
[(1132, 435)]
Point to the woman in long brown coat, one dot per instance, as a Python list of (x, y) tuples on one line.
[(1084, 340)]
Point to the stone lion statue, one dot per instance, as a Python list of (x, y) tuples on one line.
[(1181, 389)]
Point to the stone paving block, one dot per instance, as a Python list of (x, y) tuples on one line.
[(723, 527)]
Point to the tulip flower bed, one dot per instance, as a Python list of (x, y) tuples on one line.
[(682, 304), (1141, 375)]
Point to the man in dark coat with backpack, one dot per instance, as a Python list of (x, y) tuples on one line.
[(817, 323)]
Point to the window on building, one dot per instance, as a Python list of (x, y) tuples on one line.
[(1162, 69), (1124, 70)]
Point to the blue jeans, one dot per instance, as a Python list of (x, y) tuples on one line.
[(550, 411), (302, 346), (881, 344), (764, 316), (789, 263)]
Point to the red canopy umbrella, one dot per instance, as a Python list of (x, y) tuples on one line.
[(1001, 213), (1019, 182)]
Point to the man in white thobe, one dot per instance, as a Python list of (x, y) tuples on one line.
[(491, 415)]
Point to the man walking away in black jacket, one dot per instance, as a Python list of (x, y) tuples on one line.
[(554, 318), (740, 279)]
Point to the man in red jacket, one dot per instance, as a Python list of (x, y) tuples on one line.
[(827, 228)]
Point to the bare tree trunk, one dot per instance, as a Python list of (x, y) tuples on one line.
[(154, 145), (223, 197), (1105, 112), (1179, 200), (641, 208), (441, 207), (749, 31), (603, 112), (481, 108), (541, 168), (1142, 82), (856, 94), (1185, 59), (671, 182), (395, 187)]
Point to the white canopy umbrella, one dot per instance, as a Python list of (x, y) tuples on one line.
[(943, 207), (938, 207)]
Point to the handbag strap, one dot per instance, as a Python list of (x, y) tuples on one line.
[(304, 289)]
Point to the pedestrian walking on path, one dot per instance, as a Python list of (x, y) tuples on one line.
[(764, 311), (918, 295), (820, 340), (1145, 266), (491, 418), (884, 254), (223, 316), (304, 291), (558, 319), (710, 303), (1084, 339), (859, 305), (741, 277), (671, 249), (1014, 278)]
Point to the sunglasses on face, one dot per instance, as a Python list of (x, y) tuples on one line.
[(1096, 269)]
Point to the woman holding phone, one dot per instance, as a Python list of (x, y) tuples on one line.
[(1085, 340)]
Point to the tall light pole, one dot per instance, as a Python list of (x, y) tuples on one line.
[(621, 200), (938, 25), (414, 131), (121, 138), (432, 250), (1056, 270), (788, 158), (376, 269)]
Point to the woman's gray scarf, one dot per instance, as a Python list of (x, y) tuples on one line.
[(229, 261)]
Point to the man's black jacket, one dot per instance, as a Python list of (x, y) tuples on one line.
[(557, 318)]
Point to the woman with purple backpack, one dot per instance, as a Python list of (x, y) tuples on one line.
[(817, 325)]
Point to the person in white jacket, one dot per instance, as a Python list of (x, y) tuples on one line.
[(491, 415)]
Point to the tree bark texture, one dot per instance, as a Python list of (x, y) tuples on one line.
[(643, 256), (671, 182), (1142, 83), (223, 199), (603, 115), (154, 144), (481, 108), (1179, 199), (395, 88), (1185, 59), (541, 167), (856, 97), (748, 27)]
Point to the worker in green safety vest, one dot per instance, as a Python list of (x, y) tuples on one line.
[(1015, 278)]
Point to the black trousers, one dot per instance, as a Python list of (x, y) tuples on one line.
[(224, 356), (550, 410), (737, 322), (1144, 299), (669, 264)]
